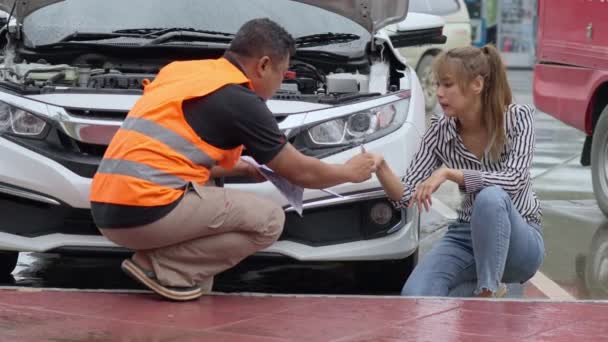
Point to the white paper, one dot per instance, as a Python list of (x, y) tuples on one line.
[(331, 192), (294, 194)]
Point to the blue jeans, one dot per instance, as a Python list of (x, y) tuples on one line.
[(497, 246)]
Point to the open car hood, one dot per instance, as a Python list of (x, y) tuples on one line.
[(371, 14), (24, 7)]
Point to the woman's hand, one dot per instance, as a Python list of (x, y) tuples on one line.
[(425, 190), (378, 160)]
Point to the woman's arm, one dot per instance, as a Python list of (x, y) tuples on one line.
[(422, 166), (515, 173), (456, 176), (391, 184)]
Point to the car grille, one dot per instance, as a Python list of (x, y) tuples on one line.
[(98, 150), (98, 114)]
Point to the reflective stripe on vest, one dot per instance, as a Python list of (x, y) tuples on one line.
[(169, 138), (141, 171)]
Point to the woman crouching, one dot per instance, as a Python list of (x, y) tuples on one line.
[(485, 144)]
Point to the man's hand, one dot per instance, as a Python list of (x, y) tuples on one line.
[(360, 167), (245, 169), (312, 173), (425, 190)]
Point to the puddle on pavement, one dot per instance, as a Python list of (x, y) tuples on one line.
[(576, 243), (266, 276)]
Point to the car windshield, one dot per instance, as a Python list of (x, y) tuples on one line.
[(56, 22)]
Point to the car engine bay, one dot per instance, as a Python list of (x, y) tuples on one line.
[(329, 83)]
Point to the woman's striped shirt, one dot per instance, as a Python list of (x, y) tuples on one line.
[(442, 144)]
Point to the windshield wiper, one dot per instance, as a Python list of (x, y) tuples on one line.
[(152, 32), (155, 35), (188, 35), (325, 39), (82, 36)]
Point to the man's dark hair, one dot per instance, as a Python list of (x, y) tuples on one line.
[(263, 37)]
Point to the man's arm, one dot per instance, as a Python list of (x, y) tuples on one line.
[(312, 173), (239, 170), (235, 115)]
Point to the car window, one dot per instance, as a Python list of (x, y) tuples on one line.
[(435, 7)]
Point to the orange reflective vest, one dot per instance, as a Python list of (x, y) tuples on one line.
[(155, 153)]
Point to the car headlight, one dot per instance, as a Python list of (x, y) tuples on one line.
[(19, 122), (360, 127)]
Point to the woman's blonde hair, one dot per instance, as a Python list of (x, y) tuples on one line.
[(467, 63)]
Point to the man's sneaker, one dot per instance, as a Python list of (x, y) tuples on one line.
[(148, 279)]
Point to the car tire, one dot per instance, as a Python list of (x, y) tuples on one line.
[(425, 75), (599, 161), (596, 265), (385, 276), (8, 262)]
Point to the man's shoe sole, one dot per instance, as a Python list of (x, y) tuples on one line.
[(135, 272)]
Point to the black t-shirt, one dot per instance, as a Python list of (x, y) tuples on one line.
[(235, 115), (229, 117)]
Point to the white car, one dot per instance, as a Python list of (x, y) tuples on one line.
[(74, 68), (457, 29)]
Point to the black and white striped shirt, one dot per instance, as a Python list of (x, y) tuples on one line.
[(442, 144)]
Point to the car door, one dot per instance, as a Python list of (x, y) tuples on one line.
[(580, 39)]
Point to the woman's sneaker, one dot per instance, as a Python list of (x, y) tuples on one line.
[(500, 292)]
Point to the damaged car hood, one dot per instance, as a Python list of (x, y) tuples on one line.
[(371, 14), (24, 7)]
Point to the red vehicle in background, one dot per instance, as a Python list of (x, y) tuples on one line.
[(571, 77)]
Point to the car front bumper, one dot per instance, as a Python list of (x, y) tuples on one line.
[(44, 204), (335, 229)]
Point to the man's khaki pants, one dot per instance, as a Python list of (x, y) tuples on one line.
[(210, 230)]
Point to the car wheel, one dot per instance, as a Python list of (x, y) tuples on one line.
[(596, 266), (599, 161), (387, 276), (8, 262), (427, 81)]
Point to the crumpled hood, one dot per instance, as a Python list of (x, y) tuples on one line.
[(371, 14), (24, 7)]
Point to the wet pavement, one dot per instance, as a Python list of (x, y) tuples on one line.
[(575, 229), (576, 236), (99, 317)]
